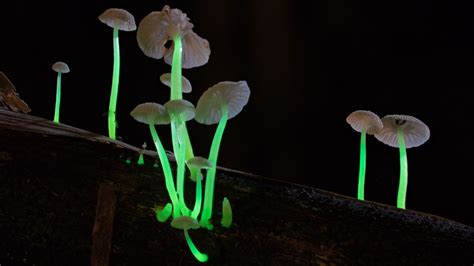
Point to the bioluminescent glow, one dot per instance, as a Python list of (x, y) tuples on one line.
[(402, 187), (163, 214), (201, 257), (211, 173), (115, 84), (226, 220), (141, 161), (58, 98), (198, 200), (181, 166), (362, 165)]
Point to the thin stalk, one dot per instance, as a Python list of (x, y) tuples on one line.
[(201, 257), (181, 170), (402, 187), (166, 171), (362, 166), (115, 84), (58, 98), (198, 201)]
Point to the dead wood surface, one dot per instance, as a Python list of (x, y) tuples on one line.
[(50, 175)]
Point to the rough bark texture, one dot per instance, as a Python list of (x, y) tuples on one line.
[(50, 176)]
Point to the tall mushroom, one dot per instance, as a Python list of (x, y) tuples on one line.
[(198, 163), (155, 114), (365, 122), (185, 223), (166, 79), (180, 111), (118, 19), (219, 103), (188, 50), (404, 132), (59, 67)]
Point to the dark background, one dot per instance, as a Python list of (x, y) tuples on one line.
[(308, 64)]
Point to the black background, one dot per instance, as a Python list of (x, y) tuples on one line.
[(308, 64)]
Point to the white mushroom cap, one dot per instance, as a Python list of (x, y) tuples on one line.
[(60, 67), (416, 132), (166, 79), (365, 120), (181, 107), (233, 95), (151, 113), (185, 223), (118, 18), (200, 162), (161, 26)]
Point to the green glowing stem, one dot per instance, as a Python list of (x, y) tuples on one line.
[(362, 166), (402, 187), (115, 85), (198, 201), (166, 171), (211, 173), (163, 214), (141, 161), (177, 92), (201, 257), (181, 169), (58, 98)]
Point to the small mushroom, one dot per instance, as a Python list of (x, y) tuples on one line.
[(180, 110), (365, 122), (118, 19), (404, 132), (59, 67), (219, 103), (155, 114), (185, 223), (166, 79), (197, 163), (226, 220)]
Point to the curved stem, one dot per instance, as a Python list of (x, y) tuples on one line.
[(402, 187), (115, 83), (198, 201), (163, 214), (201, 257), (211, 173), (362, 165), (166, 171), (58, 98), (181, 169)]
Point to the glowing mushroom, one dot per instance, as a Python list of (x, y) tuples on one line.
[(364, 122), (118, 19), (155, 114), (180, 111), (198, 163), (166, 79), (59, 67), (185, 223), (404, 132), (219, 103)]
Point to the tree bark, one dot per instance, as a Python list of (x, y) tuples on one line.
[(50, 175)]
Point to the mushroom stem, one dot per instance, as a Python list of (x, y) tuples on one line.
[(163, 214), (181, 167), (58, 98), (402, 187), (166, 170), (362, 165), (201, 257), (198, 201), (211, 172), (115, 84), (177, 92)]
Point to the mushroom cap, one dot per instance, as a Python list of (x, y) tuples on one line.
[(151, 113), (365, 119), (199, 162), (415, 132), (60, 67), (233, 95), (185, 223), (166, 79), (158, 27), (181, 107), (120, 18)]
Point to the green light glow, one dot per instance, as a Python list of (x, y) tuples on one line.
[(115, 85), (181, 167), (166, 170), (141, 161), (128, 161), (226, 220), (58, 98), (201, 257), (211, 173), (164, 214), (402, 187), (198, 201), (362, 166)]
